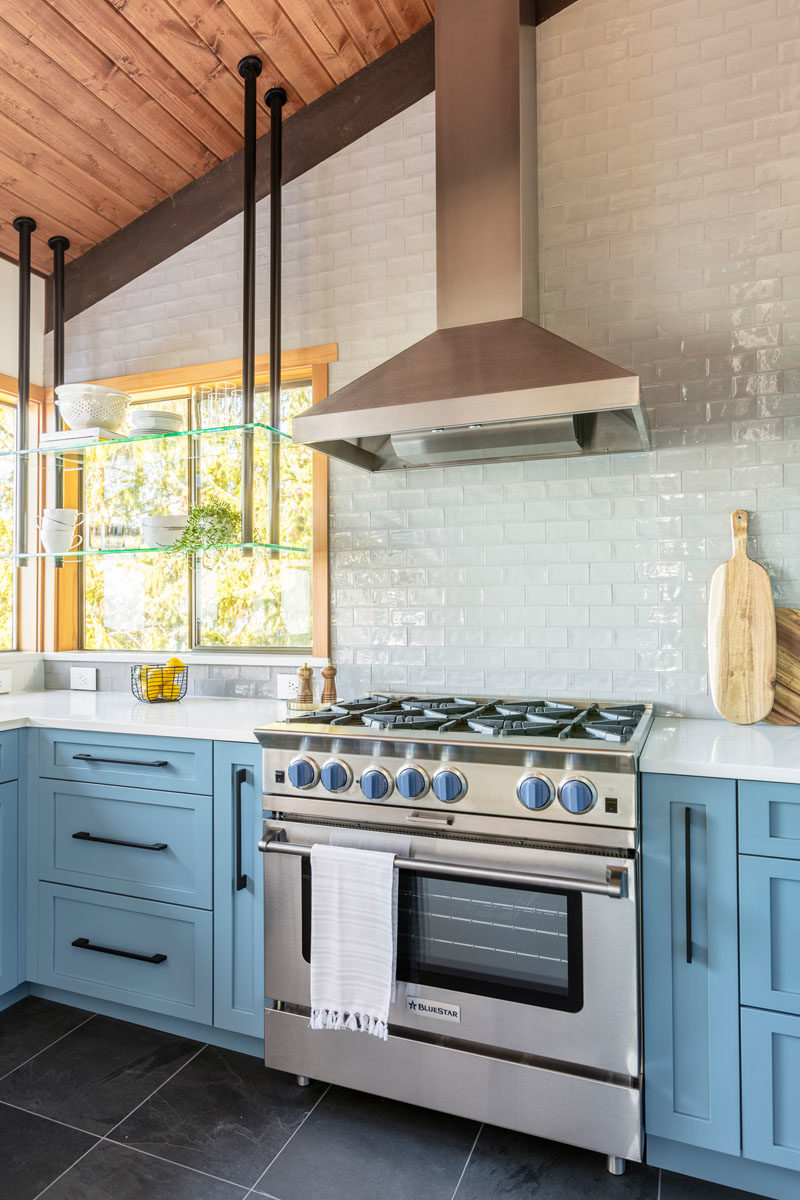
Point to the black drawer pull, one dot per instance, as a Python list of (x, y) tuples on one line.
[(240, 778), (121, 762), (687, 836), (83, 836), (85, 944)]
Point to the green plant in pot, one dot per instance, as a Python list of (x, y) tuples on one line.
[(216, 523)]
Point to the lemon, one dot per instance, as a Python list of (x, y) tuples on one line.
[(177, 663), (170, 689)]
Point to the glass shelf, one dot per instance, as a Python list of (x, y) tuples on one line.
[(293, 552), (272, 434)]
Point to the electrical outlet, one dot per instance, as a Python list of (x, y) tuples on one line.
[(288, 687), (83, 679)]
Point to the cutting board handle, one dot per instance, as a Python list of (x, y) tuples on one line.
[(739, 520)]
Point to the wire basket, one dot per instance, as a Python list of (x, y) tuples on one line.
[(159, 685)]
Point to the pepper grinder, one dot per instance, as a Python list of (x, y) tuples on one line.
[(305, 695), (329, 686)]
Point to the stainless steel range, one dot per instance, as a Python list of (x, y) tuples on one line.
[(518, 998)]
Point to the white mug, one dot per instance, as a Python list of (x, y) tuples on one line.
[(63, 516), (58, 538)]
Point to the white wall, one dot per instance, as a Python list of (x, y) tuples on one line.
[(9, 306), (669, 235)]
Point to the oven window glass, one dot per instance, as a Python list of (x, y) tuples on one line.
[(490, 939)]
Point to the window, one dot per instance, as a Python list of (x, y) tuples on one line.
[(220, 597)]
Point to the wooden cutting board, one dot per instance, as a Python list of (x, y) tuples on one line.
[(786, 710), (741, 634)]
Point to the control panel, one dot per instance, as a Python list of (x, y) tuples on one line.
[(503, 789)]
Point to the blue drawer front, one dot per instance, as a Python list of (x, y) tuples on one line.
[(9, 755), (769, 819), (180, 873), (769, 920), (179, 985), (771, 1088), (167, 764)]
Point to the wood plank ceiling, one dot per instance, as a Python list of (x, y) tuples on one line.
[(109, 106)]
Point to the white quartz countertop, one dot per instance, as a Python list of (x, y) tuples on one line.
[(117, 712), (723, 751)]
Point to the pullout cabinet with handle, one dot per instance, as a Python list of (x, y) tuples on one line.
[(141, 897), (721, 894)]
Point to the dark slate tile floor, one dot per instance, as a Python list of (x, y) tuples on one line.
[(97, 1109)]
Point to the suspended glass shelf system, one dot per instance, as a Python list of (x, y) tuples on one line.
[(126, 479)]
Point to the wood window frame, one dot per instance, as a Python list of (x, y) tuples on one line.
[(28, 631), (311, 363)]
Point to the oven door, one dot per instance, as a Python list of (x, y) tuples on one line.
[(519, 948)]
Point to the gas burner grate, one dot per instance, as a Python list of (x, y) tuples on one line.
[(545, 719)]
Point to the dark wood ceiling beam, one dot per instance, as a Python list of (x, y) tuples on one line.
[(338, 118)]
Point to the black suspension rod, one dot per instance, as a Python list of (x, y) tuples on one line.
[(25, 227), (58, 245), (249, 69), (275, 100)]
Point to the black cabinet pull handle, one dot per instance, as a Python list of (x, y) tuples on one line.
[(83, 836), (239, 779), (687, 839), (85, 944), (121, 762)]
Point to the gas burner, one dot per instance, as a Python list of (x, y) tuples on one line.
[(407, 718), (503, 727), (609, 731)]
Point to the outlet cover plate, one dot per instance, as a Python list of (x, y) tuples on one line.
[(83, 679), (288, 687)]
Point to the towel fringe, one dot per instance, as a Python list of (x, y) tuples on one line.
[(330, 1018)]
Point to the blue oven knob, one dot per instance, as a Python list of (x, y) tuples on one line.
[(336, 776), (303, 772), (376, 783), (577, 796), (449, 785), (412, 782), (535, 792)]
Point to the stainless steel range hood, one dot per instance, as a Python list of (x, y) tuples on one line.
[(489, 383)]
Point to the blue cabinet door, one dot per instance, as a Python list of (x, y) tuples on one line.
[(769, 819), (691, 980), (238, 890), (771, 1088), (9, 965), (769, 931)]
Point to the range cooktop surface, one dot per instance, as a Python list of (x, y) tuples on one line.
[(451, 716)]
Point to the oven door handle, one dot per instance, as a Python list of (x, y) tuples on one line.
[(615, 886)]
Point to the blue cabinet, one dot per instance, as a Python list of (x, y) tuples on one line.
[(771, 1088), (691, 985), (9, 956), (769, 819), (136, 841), (135, 952), (769, 930), (138, 760), (238, 890)]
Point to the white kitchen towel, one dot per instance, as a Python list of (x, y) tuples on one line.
[(353, 938)]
